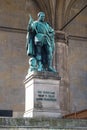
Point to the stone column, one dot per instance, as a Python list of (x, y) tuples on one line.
[(61, 65)]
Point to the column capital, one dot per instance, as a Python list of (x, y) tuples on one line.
[(60, 36)]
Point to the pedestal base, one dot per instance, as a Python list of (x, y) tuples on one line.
[(43, 113), (42, 95)]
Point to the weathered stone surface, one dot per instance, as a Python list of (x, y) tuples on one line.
[(13, 14), (78, 25), (42, 124), (61, 64), (13, 64), (42, 95), (13, 59), (78, 73)]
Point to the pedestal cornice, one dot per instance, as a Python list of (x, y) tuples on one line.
[(42, 75)]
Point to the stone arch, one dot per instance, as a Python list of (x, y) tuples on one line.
[(34, 6), (54, 10), (67, 12)]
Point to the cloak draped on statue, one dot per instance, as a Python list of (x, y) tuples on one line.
[(30, 46)]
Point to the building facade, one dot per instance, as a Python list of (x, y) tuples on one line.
[(65, 16)]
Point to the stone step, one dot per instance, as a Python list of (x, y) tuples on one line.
[(42, 124)]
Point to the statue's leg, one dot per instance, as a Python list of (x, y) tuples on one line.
[(39, 57), (49, 55), (50, 58)]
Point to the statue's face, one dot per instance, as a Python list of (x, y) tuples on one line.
[(41, 18)]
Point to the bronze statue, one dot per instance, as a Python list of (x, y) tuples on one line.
[(40, 43)]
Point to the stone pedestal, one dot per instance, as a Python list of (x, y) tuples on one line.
[(42, 95)]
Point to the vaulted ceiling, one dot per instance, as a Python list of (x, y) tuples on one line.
[(58, 12), (15, 13)]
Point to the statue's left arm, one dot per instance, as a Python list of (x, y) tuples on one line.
[(51, 35)]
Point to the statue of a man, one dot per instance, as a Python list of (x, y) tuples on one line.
[(40, 43)]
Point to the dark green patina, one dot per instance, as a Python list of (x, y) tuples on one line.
[(40, 44)]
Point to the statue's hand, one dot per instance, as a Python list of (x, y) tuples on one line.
[(30, 20), (30, 23)]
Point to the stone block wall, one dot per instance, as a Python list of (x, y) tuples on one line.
[(77, 61), (13, 68)]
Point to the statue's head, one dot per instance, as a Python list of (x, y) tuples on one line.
[(41, 16)]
